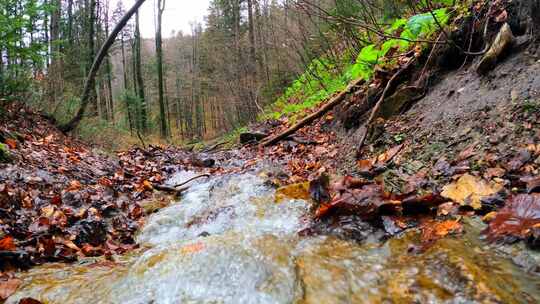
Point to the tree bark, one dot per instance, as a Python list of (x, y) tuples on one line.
[(138, 75), (90, 80), (159, 54)]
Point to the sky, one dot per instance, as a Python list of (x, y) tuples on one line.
[(177, 16)]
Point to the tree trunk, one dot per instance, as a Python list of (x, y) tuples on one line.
[(159, 54), (138, 75), (91, 45), (109, 70), (90, 80)]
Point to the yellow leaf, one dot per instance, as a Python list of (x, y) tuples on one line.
[(294, 191), (470, 190)]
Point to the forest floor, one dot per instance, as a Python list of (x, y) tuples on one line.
[(471, 147)]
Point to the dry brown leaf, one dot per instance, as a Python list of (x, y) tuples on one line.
[(470, 190)]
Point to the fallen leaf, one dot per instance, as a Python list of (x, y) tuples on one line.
[(433, 231), (147, 185), (11, 143), (533, 184), (387, 156), (470, 190), (365, 165), (74, 186), (7, 288), (467, 153), (7, 244), (520, 214)]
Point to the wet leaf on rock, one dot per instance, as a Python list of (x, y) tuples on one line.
[(435, 230), (517, 219), (470, 190)]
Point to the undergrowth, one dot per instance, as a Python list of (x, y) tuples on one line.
[(325, 77)]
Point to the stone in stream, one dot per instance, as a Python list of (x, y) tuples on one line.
[(249, 137)]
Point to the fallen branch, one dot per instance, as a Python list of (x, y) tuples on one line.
[(373, 114), (192, 179), (309, 119)]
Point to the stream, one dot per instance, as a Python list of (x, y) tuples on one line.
[(230, 240)]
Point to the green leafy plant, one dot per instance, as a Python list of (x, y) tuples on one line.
[(324, 77)]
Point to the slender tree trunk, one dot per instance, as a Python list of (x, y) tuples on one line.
[(138, 74), (159, 54), (109, 70), (125, 78), (91, 46)]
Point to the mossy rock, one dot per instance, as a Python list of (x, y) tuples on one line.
[(5, 156)]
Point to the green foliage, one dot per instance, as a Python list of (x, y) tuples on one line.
[(417, 27), (17, 20), (325, 77)]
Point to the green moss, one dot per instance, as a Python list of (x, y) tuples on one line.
[(5, 156)]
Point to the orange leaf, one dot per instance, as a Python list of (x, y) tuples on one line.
[(365, 165), (322, 210), (147, 185), (11, 143), (7, 244), (74, 186)]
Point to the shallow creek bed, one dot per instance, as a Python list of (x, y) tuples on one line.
[(232, 240)]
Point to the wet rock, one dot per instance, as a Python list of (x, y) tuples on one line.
[(92, 232), (318, 189), (205, 162)]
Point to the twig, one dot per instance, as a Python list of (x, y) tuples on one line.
[(380, 101), (192, 179), (175, 191)]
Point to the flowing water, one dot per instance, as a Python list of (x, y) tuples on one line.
[(230, 240)]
